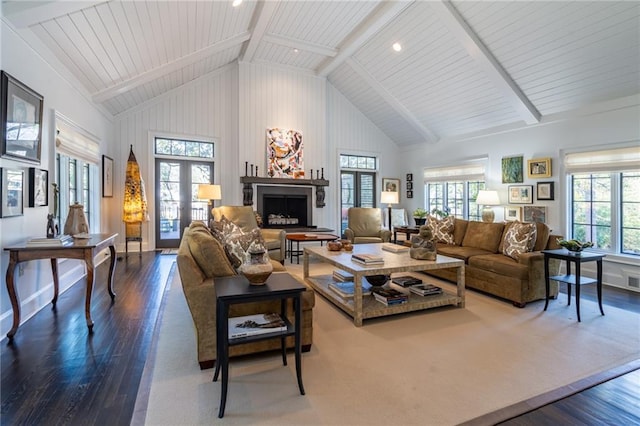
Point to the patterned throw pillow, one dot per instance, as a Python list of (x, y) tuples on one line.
[(238, 243), (442, 229), (520, 238)]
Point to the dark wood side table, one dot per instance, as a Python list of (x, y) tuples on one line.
[(305, 238), (408, 230), (573, 279), (236, 289), (84, 249)]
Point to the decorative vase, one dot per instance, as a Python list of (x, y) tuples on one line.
[(256, 267)]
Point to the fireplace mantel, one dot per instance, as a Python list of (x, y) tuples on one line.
[(248, 182)]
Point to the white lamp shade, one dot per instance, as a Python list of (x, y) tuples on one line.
[(389, 197), (209, 192), (488, 198)]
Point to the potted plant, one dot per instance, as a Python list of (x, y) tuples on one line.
[(420, 216), (440, 214)]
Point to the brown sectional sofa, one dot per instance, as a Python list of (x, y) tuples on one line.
[(480, 245), (200, 259)]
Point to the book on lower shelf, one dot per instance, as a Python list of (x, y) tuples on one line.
[(425, 289), (61, 240), (252, 325), (347, 289), (394, 248), (342, 276), (368, 259), (406, 280), (390, 296)]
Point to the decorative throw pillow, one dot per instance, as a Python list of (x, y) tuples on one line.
[(442, 229), (208, 252), (238, 243), (520, 238)]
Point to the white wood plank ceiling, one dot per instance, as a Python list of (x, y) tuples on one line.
[(465, 67)]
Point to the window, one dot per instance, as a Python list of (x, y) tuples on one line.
[(454, 189), (357, 184), (604, 199), (77, 187), (183, 148)]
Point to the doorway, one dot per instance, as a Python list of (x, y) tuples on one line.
[(176, 198)]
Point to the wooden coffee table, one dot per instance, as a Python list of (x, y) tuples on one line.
[(362, 307), (298, 238)]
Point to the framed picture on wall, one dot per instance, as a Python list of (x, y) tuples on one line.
[(391, 185), (107, 177), (512, 213), (409, 194), (11, 192), (520, 194), (410, 185), (409, 177), (535, 214), (544, 191), (512, 169), (539, 168), (21, 120), (38, 187)]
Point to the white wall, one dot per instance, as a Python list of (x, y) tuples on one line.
[(35, 285), (618, 126)]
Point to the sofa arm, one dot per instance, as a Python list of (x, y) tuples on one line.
[(349, 235), (276, 234), (552, 242), (385, 234), (535, 264)]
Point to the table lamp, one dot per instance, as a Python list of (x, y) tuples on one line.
[(210, 192), (487, 199), (389, 198)]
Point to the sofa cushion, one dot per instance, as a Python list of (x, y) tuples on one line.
[(442, 229), (459, 252), (238, 243), (208, 252), (459, 229), (542, 237), (519, 238), (483, 235), (501, 265)]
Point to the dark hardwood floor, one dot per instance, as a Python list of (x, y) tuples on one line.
[(55, 372)]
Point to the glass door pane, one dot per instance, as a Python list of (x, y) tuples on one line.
[(168, 202)]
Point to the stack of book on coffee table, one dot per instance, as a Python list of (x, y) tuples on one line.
[(346, 289), (406, 280), (342, 276), (425, 289), (389, 296), (367, 259)]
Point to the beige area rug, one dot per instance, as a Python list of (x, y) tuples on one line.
[(438, 367)]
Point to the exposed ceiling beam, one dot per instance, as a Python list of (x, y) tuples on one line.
[(264, 12), (23, 14), (374, 23), (424, 131), (299, 44), (148, 76), (483, 56)]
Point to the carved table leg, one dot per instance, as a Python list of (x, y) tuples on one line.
[(11, 289), (112, 267), (56, 281), (88, 260)]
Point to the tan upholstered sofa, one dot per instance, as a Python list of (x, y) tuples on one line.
[(364, 225), (244, 217), (201, 258), (480, 245)]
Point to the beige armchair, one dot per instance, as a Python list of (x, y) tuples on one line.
[(364, 225), (244, 217)]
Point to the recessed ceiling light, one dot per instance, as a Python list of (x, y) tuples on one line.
[(397, 47), (295, 50), (236, 3)]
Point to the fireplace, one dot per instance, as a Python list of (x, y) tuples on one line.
[(285, 206)]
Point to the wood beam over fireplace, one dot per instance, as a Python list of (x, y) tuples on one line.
[(248, 181)]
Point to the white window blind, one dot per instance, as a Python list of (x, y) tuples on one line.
[(469, 171), (608, 160), (73, 142)]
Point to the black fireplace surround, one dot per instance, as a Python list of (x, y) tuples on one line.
[(285, 201)]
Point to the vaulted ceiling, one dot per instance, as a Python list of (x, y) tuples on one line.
[(464, 67)]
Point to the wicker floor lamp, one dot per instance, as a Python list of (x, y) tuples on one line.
[(135, 203)]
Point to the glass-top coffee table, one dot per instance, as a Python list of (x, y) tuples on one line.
[(361, 308)]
